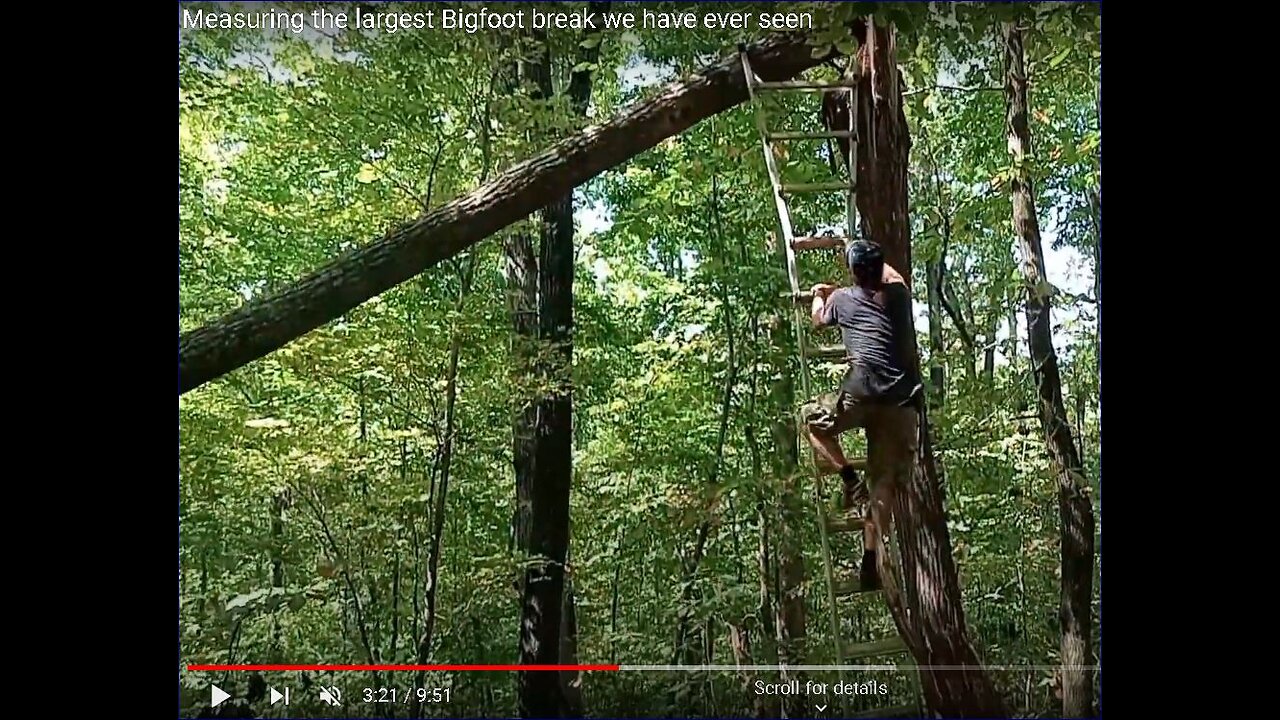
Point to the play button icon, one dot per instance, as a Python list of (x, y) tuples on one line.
[(277, 697), (219, 696)]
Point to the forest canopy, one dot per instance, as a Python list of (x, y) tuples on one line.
[(375, 491)]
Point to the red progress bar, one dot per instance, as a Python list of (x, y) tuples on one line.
[(404, 667)]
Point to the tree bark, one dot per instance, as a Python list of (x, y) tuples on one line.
[(1075, 506), (937, 351), (570, 681), (264, 325), (925, 599), (546, 631)]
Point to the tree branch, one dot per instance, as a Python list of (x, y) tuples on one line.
[(266, 324)]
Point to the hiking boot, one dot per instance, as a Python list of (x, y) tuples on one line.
[(868, 575), (853, 495)]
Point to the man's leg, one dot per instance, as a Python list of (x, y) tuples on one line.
[(824, 419), (892, 444)]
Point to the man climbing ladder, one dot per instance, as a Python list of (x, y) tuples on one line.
[(879, 392)]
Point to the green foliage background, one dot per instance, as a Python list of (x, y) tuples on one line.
[(305, 476)]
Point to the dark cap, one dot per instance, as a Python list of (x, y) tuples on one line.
[(862, 253)]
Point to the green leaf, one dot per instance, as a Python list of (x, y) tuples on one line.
[(1058, 59), (848, 45), (367, 173)]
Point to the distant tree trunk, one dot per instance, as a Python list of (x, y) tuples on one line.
[(937, 350), (925, 599), (1095, 215), (765, 704), (989, 350), (1074, 504), (278, 505), (791, 516), (694, 559), (431, 591)]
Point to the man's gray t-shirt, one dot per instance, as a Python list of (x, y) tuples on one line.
[(878, 335)]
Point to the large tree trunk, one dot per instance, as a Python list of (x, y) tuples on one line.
[(546, 632), (1074, 504), (570, 680), (539, 528), (266, 324), (925, 601)]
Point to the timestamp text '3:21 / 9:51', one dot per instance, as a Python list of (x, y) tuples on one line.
[(390, 695)]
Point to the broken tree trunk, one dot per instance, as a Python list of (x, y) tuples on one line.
[(266, 324), (926, 604), (1075, 506)]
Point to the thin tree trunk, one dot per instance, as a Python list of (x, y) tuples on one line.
[(278, 505), (1074, 503), (1095, 215), (694, 560), (613, 610), (790, 567), (937, 349), (925, 595), (266, 324), (989, 351), (431, 591), (766, 704)]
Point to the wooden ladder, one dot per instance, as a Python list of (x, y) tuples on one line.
[(800, 299)]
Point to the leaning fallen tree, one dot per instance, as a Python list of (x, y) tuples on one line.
[(262, 326)]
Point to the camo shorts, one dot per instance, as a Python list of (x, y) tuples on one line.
[(892, 432), (833, 413)]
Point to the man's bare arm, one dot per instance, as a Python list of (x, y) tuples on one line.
[(817, 311)]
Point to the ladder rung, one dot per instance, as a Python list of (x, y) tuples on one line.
[(830, 135), (884, 646), (829, 352), (808, 85), (818, 242), (850, 586), (895, 711), (845, 523), (815, 187)]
